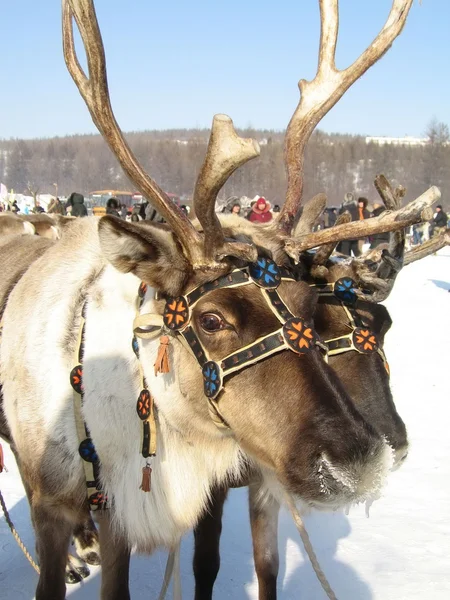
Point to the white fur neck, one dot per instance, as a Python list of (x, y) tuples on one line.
[(192, 454)]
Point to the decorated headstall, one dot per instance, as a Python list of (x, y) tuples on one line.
[(361, 339), (295, 334)]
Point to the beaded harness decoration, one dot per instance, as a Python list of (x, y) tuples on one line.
[(295, 334), (361, 339), (145, 409)]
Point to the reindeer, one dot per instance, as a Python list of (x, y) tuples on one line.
[(219, 298), (365, 377), (10, 224), (44, 225), (47, 226)]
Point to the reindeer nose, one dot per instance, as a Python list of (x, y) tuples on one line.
[(400, 455), (359, 479)]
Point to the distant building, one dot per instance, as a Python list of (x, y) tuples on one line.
[(394, 141)]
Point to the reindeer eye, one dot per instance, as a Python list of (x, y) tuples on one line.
[(211, 322)]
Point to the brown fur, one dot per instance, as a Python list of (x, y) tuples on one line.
[(368, 383)]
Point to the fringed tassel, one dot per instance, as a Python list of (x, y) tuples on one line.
[(146, 484), (162, 360)]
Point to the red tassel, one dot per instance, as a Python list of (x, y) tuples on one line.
[(146, 484), (162, 360)]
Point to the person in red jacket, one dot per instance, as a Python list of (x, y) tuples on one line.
[(260, 212)]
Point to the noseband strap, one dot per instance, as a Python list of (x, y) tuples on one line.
[(295, 333)]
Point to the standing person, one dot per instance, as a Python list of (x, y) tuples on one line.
[(230, 204), (236, 209), (56, 207), (379, 238), (332, 217), (143, 208), (112, 207), (151, 214), (260, 211), (76, 202), (439, 220), (358, 212), (135, 214), (38, 208)]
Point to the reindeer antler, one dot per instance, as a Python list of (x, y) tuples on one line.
[(376, 270), (225, 152), (429, 247), (318, 96), (415, 212)]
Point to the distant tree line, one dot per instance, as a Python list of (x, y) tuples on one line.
[(335, 164)]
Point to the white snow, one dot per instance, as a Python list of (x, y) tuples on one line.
[(401, 553)]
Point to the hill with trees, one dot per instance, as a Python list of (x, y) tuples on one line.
[(335, 164)]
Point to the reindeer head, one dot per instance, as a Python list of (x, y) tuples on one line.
[(281, 401)]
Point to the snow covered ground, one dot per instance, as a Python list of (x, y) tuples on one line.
[(400, 553)]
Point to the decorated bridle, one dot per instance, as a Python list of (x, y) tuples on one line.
[(361, 339), (295, 333)]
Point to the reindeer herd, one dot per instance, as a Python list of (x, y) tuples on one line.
[(206, 353)]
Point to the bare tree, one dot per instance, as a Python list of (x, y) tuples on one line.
[(33, 190)]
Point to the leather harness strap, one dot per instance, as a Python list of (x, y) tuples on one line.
[(295, 334), (86, 449), (360, 339)]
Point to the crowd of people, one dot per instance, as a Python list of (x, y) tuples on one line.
[(359, 211), (258, 211)]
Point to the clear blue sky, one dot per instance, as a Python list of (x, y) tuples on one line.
[(176, 64)]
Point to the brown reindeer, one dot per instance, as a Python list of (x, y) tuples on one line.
[(221, 298), (365, 377)]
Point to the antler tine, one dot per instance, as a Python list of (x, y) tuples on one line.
[(430, 247), (326, 250), (379, 267), (392, 200), (310, 214), (226, 152), (318, 96), (415, 212), (94, 90)]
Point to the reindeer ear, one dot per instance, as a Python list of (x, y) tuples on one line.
[(149, 251)]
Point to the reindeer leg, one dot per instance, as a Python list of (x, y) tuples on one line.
[(115, 562), (86, 541), (85, 534), (53, 533), (207, 539), (264, 511), (88, 549)]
